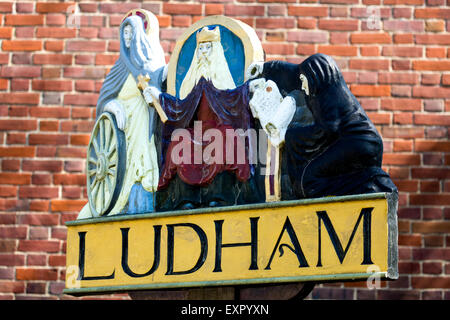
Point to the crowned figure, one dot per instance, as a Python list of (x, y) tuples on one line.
[(205, 169)]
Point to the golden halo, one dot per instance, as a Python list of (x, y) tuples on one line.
[(143, 14)]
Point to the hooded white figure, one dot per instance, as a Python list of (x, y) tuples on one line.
[(209, 62), (140, 54)]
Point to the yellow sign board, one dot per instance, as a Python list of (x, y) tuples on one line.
[(334, 238)]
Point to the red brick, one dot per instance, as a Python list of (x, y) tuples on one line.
[(403, 118), (440, 39), (402, 132), (432, 145), (364, 38), (398, 78), (84, 45), (39, 205), (338, 25), (244, 10), (307, 36), (55, 32), (52, 85), (105, 59), (401, 159), (431, 119), (19, 98), (404, 26), (435, 52), (405, 185), (69, 179), (50, 112), (371, 90), (22, 45), (214, 9), (53, 7), (369, 64), (70, 152), (57, 260), (81, 99), (40, 192), (399, 104), (67, 205), (185, 9), (79, 139), (438, 13), (432, 267), (36, 274), (338, 50), (39, 245), (402, 51), (8, 191), (433, 241), (39, 219), (304, 11), (431, 92), (403, 145), (430, 173), (431, 226), (52, 139), (24, 19), (53, 58), (303, 23), (15, 178), (82, 112), (12, 286), (279, 48), (430, 282), (42, 165), (430, 199), (275, 23), (410, 240), (435, 26), (440, 65)]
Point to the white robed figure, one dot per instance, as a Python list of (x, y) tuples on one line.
[(140, 54)]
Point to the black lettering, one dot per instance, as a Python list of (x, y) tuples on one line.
[(297, 248), (156, 253), (253, 244), (81, 261), (170, 247), (367, 234)]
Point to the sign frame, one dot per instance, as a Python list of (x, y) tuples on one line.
[(392, 246)]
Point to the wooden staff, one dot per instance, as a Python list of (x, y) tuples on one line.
[(142, 84), (273, 161)]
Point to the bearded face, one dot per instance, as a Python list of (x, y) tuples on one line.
[(210, 63), (204, 51)]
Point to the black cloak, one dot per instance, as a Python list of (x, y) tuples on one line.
[(341, 153)]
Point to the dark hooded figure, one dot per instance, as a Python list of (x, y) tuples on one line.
[(341, 152)]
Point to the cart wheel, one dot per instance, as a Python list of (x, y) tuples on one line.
[(106, 161)]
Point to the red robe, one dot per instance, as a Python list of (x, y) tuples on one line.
[(204, 173)]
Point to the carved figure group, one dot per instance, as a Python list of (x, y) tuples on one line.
[(325, 143)]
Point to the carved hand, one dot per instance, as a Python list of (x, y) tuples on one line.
[(116, 108), (254, 70), (150, 93)]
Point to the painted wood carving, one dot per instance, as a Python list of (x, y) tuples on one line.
[(218, 131)]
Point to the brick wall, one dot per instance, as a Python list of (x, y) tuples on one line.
[(396, 60)]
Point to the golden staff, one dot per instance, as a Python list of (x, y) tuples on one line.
[(273, 168), (142, 84)]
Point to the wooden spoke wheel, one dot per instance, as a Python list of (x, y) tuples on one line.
[(106, 160)]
